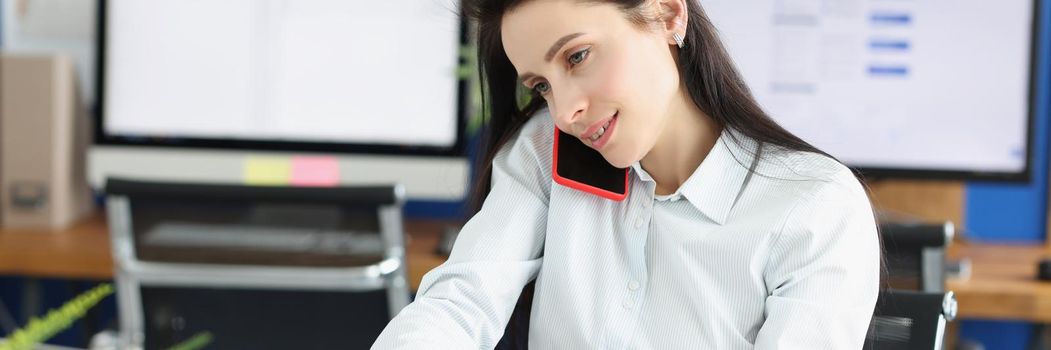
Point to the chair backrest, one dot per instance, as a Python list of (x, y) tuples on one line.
[(910, 320), (915, 254), (285, 267)]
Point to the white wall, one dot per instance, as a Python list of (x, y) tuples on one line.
[(50, 26)]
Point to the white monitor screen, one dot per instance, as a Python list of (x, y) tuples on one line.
[(326, 71), (933, 85)]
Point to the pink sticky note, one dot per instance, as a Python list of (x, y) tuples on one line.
[(315, 171)]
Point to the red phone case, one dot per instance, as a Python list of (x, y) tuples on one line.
[(577, 185)]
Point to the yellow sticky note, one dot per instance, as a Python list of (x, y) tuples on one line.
[(261, 171)]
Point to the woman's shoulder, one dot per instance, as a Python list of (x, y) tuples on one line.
[(535, 138), (528, 153), (808, 188), (807, 175), (538, 132)]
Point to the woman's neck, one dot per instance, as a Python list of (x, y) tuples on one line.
[(688, 136)]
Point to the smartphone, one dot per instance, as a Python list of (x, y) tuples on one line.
[(580, 167)]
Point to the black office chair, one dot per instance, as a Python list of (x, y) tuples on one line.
[(516, 334), (256, 267), (915, 254), (910, 320)]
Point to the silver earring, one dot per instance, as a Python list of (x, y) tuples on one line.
[(678, 40)]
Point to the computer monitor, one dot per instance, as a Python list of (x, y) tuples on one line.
[(194, 90), (916, 89)]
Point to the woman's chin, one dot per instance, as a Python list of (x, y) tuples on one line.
[(619, 161)]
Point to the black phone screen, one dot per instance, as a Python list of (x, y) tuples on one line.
[(584, 167)]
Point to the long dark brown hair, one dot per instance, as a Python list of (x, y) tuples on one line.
[(711, 78)]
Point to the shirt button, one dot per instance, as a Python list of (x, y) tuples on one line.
[(628, 304), (633, 285), (638, 223)]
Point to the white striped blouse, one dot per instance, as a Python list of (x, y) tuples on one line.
[(784, 258)]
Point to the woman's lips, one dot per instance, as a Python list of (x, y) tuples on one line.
[(606, 135)]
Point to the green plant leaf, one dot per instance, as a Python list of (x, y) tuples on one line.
[(40, 330), (196, 342)]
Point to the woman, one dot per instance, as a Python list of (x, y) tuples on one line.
[(735, 234)]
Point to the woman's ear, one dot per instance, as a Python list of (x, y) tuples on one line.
[(673, 18)]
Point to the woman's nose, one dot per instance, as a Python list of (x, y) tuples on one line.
[(569, 107)]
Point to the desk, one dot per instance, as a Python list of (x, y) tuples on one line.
[(83, 250), (1003, 284)]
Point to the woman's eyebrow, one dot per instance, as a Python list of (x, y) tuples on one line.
[(551, 53), (558, 45)]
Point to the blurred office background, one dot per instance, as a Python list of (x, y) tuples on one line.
[(132, 129)]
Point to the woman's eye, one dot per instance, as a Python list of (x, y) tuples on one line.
[(541, 88), (579, 57)]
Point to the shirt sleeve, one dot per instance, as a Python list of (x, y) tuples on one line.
[(823, 272), (466, 302)]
